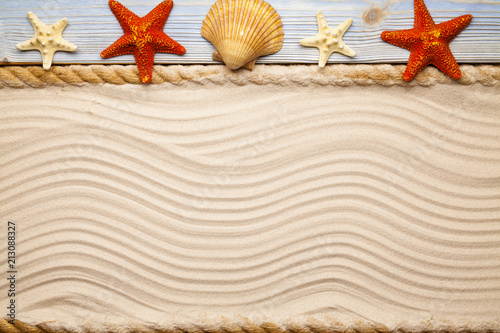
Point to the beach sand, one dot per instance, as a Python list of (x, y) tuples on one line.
[(292, 200)]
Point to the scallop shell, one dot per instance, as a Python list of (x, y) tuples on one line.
[(242, 31)]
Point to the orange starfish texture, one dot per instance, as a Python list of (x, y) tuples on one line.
[(429, 43), (143, 37)]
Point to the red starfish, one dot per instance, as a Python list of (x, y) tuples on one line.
[(143, 36), (428, 42)]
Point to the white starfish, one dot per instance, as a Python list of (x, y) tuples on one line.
[(47, 39), (329, 40)]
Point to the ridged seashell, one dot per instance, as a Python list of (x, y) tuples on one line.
[(242, 31)]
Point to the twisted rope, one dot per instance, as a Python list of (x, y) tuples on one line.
[(248, 326), (245, 325), (336, 75)]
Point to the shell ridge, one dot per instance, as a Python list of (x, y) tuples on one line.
[(238, 23), (271, 34), (250, 24), (232, 17), (208, 29), (265, 20), (224, 24), (268, 17), (241, 19), (267, 27)]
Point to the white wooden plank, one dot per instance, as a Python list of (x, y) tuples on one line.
[(92, 27)]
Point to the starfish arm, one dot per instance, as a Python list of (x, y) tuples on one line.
[(60, 25), (444, 60), (30, 44), (450, 29), (323, 57), (161, 42), (47, 58), (417, 62), (124, 45), (402, 38), (35, 21), (310, 42), (124, 16), (157, 18), (342, 28), (346, 50), (322, 24), (423, 19), (65, 46), (145, 58)]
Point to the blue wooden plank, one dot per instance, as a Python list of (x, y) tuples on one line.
[(92, 27)]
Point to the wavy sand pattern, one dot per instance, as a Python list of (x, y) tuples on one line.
[(171, 200)]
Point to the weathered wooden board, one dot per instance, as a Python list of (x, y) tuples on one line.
[(92, 27)]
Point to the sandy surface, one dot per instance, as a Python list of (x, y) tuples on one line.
[(181, 201)]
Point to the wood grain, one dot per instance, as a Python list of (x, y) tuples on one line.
[(92, 27)]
